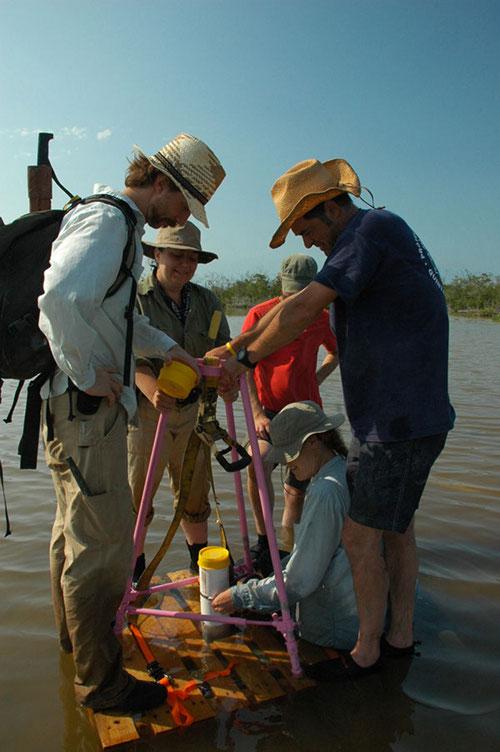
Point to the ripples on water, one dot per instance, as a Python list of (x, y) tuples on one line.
[(448, 698)]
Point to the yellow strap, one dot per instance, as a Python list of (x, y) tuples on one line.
[(230, 348)]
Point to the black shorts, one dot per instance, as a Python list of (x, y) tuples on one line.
[(386, 479)]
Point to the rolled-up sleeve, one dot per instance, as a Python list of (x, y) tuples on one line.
[(305, 568)]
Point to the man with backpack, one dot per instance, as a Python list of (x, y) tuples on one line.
[(87, 403)]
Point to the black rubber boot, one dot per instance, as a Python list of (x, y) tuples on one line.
[(194, 550), (140, 566), (144, 695)]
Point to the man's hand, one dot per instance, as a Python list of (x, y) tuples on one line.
[(177, 353), (231, 369), (219, 352), (223, 603), (106, 384), (228, 393)]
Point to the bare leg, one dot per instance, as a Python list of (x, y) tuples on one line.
[(195, 532), (402, 564), (371, 582), (253, 489), (294, 501)]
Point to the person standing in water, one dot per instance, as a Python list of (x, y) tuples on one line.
[(183, 310)]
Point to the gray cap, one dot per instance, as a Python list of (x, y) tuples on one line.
[(293, 425), (297, 271)]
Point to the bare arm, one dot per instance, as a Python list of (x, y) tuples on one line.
[(146, 382), (260, 418), (289, 318), (327, 367)]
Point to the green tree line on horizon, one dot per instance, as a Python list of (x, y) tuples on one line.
[(468, 293)]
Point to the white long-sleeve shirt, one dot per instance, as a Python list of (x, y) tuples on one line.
[(84, 328)]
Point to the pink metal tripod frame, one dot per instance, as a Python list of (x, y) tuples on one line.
[(283, 623)]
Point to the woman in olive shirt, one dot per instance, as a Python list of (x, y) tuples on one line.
[(184, 311)]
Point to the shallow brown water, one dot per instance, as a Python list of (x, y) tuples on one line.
[(446, 699)]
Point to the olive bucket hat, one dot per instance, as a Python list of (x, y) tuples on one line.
[(293, 425), (186, 238)]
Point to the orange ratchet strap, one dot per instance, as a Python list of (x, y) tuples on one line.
[(175, 697)]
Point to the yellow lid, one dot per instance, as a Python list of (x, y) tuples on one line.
[(177, 379), (213, 557)]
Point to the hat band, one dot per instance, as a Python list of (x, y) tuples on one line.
[(182, 180)]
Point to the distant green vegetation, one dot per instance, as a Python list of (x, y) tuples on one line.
[(474, 295), (468, 294), (240, 294)]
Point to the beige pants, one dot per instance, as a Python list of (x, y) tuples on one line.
[(181, 421), (92, 546)]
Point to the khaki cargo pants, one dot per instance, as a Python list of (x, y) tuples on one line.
[(92, 543)]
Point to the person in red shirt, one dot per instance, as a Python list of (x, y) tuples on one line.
[(287, 375)]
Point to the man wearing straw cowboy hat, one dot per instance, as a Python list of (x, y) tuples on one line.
[(85, 435), (389, 315)]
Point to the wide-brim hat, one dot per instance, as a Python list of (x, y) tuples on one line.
[(293, 425), (194, 169), (307, 184), (187, 238)]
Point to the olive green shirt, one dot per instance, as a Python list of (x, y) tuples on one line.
[(193, 334)]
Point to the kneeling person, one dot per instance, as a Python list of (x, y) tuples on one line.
[(317, 574)]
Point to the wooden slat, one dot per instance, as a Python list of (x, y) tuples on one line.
[(113, 730), (262, 671)]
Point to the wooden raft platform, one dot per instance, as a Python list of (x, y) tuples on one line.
[(261, 671)]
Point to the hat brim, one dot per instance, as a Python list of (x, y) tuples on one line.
[(195, 207), (305, 204), (204, 257), (282, 455), (313, 199)]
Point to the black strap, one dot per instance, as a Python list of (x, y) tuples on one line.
[(8, 529), (28, 445), (8, 419)]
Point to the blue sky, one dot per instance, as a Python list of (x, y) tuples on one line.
[(407, 92)]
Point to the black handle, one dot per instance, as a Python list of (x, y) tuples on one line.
[(232, 467)]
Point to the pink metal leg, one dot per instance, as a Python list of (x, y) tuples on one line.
[(283, 623), (140, 524)]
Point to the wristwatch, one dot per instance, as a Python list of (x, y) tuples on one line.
[(242, 357)]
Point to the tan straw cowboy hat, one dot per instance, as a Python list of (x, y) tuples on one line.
[(307, 184), (187, 238), (194, 169)]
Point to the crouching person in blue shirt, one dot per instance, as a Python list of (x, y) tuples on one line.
[(317, 574)]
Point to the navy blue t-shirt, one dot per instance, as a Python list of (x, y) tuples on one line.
[(391, 324)]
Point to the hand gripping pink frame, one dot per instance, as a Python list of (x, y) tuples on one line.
[(284, 622)]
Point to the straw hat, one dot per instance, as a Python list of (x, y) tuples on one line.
[(187, 238), (194, 169), (293, 425), (306, 185), (297, 271)]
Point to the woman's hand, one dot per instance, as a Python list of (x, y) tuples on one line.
[(223, 603)]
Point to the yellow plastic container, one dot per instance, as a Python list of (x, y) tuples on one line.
[(177, 379), (214, 575), (213, 557)]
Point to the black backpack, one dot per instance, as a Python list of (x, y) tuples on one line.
[(25, 246)]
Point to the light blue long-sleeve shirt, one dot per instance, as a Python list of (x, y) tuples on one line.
[(317, 573)]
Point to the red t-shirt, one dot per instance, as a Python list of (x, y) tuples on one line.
[(289, 374)]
